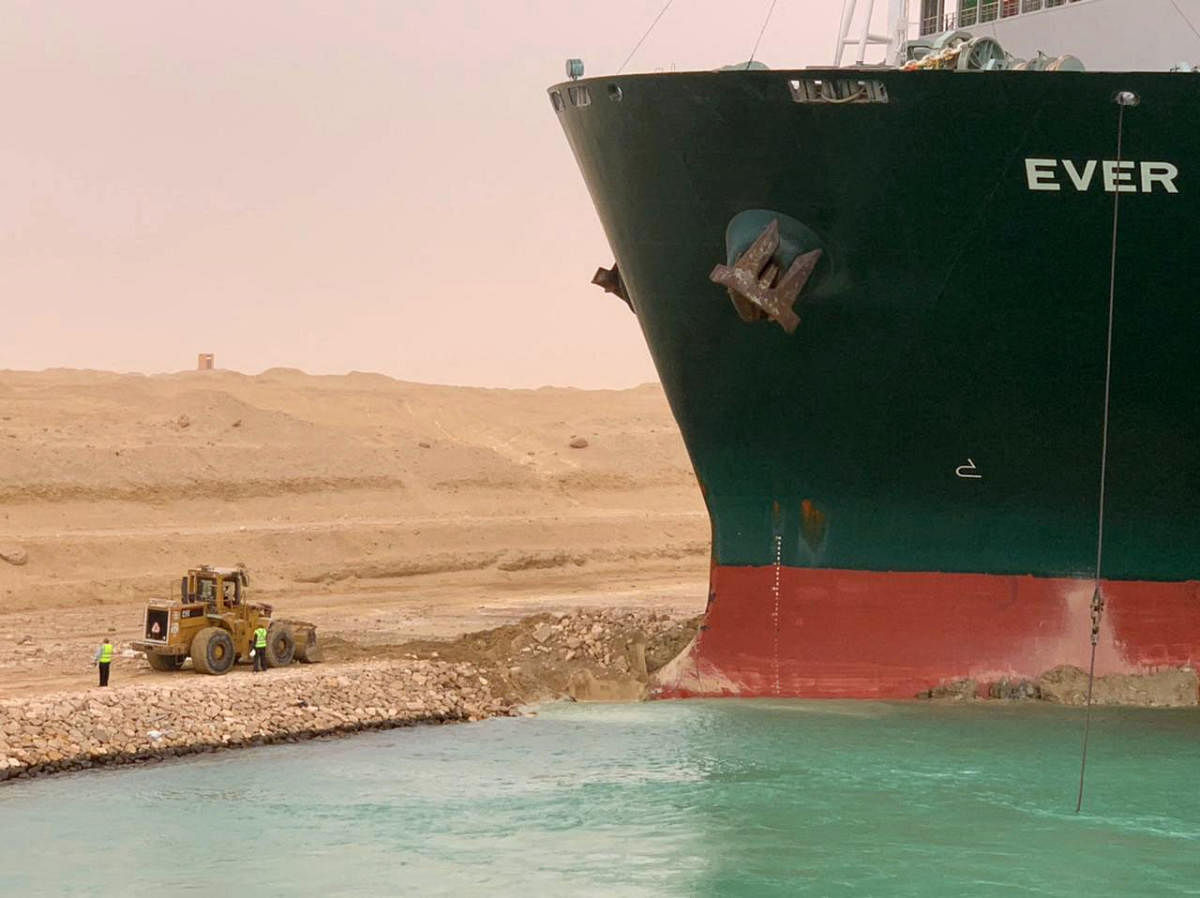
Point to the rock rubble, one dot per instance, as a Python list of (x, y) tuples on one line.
[(589, 655), (1068, 685), (68, 731), (14, 555)]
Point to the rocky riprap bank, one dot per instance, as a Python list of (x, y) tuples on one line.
[(606, 654), (69, 731)]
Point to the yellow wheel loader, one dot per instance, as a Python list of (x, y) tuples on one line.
[(213, 623)]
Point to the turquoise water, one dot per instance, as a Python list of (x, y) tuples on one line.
[(672, 798)]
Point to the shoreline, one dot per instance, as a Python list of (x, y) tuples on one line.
[(604, 654), (586, 655), (142, 723)]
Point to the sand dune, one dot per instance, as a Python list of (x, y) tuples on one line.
[(432, 502)]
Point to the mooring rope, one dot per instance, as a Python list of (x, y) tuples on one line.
[(661, 13), (1122, 99), (761, 32)]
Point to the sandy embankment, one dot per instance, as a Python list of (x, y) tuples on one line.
[(381, 510)]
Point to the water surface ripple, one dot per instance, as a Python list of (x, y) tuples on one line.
[(722, 798)]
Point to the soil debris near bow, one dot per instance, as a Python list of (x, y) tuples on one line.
[(598, 655), (1068, 685)]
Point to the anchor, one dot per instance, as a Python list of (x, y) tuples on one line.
[(610, 281), (754, 284)]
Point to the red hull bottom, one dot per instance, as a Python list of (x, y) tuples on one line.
[(814, 633)]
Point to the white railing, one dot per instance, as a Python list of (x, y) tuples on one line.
[(974, 12), (855, 33)]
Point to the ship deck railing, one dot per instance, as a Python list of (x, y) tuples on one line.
[(975, 12)]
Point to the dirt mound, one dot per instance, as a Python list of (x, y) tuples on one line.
[(1068, 685), (605, 654), (1173, 688)]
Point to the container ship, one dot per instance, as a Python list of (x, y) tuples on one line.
[(930, 328)]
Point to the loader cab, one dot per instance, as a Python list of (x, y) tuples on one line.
[(218, 588)]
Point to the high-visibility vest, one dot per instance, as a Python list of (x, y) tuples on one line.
[(106, 651), (260, 638)]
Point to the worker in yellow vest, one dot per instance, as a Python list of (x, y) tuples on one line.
[(260, 649), (102, 659)]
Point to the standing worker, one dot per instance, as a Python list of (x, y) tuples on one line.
[(102, 659), (260, 648)]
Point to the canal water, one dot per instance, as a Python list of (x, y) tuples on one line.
[(720, 798)]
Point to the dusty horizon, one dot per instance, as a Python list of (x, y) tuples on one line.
[(292, 369), (375, 188)]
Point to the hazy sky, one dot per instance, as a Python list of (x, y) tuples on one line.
[(336, 186)]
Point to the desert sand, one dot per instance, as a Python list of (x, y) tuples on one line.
[(381, 510)]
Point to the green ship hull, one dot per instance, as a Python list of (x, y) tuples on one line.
[(939, 411)]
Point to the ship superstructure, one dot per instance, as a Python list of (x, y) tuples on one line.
[(1110, 35)]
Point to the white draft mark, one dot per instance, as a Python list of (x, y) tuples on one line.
[(968, 471)]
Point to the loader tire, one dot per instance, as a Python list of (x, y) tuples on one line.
[(212, 651), (310, 652), (281, 645), (164, 662)]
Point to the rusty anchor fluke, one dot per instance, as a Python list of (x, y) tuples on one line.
[(609, 280), (754, 283)]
